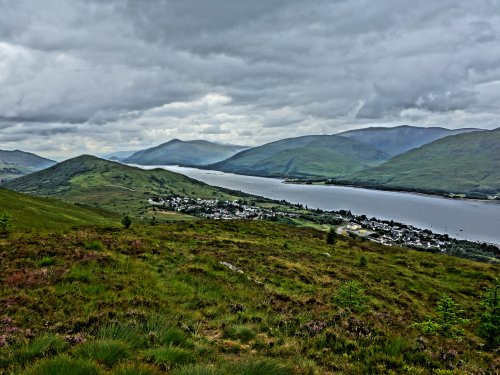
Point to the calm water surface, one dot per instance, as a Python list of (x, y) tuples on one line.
[(466, 219)]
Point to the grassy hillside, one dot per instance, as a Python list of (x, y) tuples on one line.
[(110, 185), (43, 213), (399, 139), (157, 299), (17, 163), (177, 152), (310, 156), (466, 163)]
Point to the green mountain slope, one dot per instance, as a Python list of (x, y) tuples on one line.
[(399, 139), (309, 156), (177, 152), (89, 180), (157, 300), (17, 163), (44, 213), (467, 163)]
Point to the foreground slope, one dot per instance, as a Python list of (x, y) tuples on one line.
[(29, 212), (177, 152), (157, 299), (399, 139), (309, 156), (114, 186), (467, 163), (17, 163)]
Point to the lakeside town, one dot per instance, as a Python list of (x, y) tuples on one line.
[(218, 209), (380, 231)]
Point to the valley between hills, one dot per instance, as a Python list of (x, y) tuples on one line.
[(111, 269)]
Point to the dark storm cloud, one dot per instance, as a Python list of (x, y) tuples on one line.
[(85, 76)]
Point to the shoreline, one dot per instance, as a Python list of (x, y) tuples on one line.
[(392, 190)]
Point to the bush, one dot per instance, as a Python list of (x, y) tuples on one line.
[(239, 332), (363, 262), (350, 295), (126, 221), (5, 222), (448, 316), (446, 321), (331, 236), (106, 352), (489, 326), (168, 357), (64, 365)]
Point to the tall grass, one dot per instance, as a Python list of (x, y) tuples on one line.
[(161, 331), (124, 333), (129, 369), (106, 352), (239, 332), (197, 370), (40, 346), (168, 357), (262, 367), (64, 365)]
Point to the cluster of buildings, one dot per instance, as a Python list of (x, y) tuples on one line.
[(217, 209), (391, 233), (380, 231)]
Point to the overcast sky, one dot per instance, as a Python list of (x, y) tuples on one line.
[(97, 76)]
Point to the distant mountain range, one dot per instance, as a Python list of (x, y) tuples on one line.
[(399, 139), (330, 155), (309, 156), (431, 160), (118, 155), (177, 152), (18, 163), (467, 163)]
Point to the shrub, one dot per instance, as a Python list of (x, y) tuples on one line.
[(363, 262), (446, 321), (126, 221), (448, 316), (64, 365), (106, 352), (168, 357), (489, 326), (331, 236), (239, 332), (5, 222), (350, 295)]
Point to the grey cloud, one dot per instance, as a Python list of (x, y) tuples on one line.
[(94, 75)]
